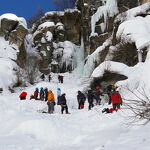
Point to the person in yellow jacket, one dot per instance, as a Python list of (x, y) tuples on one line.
[(51, 102)]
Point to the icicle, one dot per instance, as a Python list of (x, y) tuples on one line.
[(140, 55)]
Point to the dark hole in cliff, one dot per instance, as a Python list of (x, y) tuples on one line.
[(126, 53), (15, 26), (107, 78)]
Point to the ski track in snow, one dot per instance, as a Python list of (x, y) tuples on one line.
[(22, 127)]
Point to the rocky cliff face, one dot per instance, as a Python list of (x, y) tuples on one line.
[(50, 34), (94, 20), (104, 45), (56, 37), (14, 30)]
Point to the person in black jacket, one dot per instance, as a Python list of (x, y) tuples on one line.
[(49, 77), (42, 77), (90, 96), (46, 94), (63, 103), (97, 95), (81, 99), (41, 94)]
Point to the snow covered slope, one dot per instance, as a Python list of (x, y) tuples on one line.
[(22, 127)]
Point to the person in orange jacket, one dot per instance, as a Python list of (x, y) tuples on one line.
[(23, 95), (51, 102)]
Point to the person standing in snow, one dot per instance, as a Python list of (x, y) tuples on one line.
[(58, 96), (51, 102), (43, 77), (116, 99), (49, 78), (36, 93), (81, 100), (97, 95), (90, 97), (61, 79), (23, 96), (46, 94), (41, 94), (63, 103)]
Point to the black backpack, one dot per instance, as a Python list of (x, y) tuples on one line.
[(59, 100)]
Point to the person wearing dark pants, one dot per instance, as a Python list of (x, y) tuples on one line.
[(49, 78), (46, 94), (62, 79), (116, 106), (81, 100), (51, 105), (63, 103), (41, 94), (90, 96), (116, 100), (64, 107), (51, 102)]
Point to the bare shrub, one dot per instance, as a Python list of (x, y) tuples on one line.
[(139, 106)]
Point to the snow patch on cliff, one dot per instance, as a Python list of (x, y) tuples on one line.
[(136, 30), (46, 25), (10, 16)]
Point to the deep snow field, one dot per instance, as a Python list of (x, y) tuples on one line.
[(24, 127)]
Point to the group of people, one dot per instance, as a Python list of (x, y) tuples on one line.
[(94, 97), (43, 77), (60, 78), (41, 94), (48, 95)]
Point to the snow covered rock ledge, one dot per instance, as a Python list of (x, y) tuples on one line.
[(13, 28), (111, 66), (13, 31)]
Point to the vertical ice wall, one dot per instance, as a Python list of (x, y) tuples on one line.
[(79, 57), (109, 9)]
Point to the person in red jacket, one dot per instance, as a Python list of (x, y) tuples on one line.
[(23, 96), (116, 100), (36, 93)]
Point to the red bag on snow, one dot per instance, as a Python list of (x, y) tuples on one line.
[(82, 106)]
